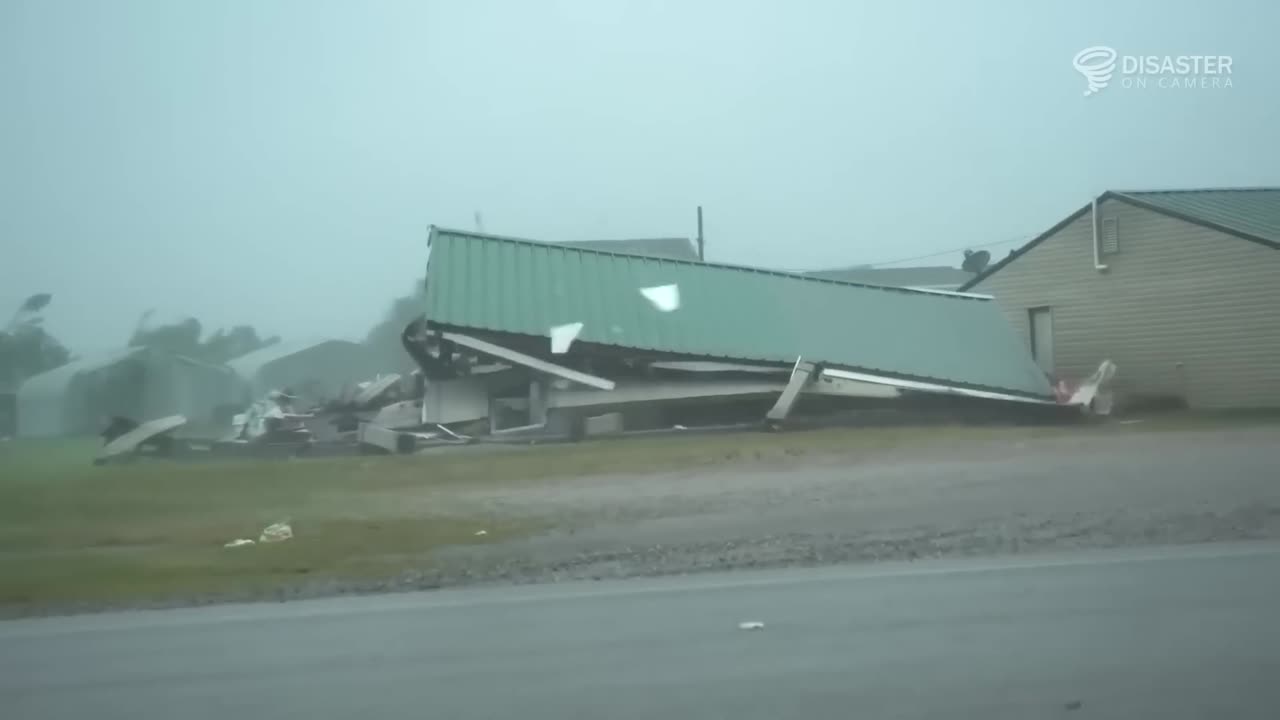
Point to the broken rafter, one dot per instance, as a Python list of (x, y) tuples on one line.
[(528, 361)]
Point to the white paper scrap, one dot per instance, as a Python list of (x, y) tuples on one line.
[(751, 625), (664, 297), (562, 336)]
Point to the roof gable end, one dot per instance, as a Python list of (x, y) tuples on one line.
[(1251, 214)]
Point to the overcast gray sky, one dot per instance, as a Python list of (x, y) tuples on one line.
[(278, 162)]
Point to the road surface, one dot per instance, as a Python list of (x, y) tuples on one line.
[(1173, 633)]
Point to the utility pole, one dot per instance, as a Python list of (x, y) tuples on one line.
[(701, 241)]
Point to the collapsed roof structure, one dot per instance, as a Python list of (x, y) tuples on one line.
[(622, 328), (321, 367), (528, 340)]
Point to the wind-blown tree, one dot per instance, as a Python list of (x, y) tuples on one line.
[(180, 338), (29, 350), (184, 338), (26, 349), (224, 345)]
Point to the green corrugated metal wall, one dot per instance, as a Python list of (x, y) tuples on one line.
[(519, 286)]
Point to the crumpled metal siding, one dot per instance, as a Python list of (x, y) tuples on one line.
[(508, 285)]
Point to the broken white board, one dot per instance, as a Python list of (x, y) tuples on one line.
[(399, 415), (801, 375), (374, 390), (932, 387), (528, 361), (665, 298), (148, 430)]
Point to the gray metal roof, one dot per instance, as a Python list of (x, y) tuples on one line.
[(929, 277), (248, 365), (678, 248), (55, 380), (1251, 211)]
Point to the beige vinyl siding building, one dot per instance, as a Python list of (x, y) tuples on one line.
[(1187, 305)]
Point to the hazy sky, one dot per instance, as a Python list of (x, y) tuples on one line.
[(278, 162)]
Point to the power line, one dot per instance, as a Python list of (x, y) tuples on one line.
[(948, 252)]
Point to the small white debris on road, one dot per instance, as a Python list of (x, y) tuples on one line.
[(751, 625), (278, 532), (562, 336), (664, 297)]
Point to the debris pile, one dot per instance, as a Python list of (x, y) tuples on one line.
[(664, 345)]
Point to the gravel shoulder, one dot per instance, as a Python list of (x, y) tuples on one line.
[(998, 494), (1032, 496)]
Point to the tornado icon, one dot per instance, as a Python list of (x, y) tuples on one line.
[(1096, 65)]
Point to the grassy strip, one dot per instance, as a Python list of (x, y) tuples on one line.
[(71, 532)]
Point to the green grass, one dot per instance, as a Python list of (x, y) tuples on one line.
[(71, 532)]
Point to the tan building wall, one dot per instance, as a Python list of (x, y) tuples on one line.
[(1182, 310)]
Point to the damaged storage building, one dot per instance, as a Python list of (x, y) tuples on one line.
[(138, 383), (1179, 288), (316, 369), (537, 337)]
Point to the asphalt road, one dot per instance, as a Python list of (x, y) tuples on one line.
[(1176, 633)]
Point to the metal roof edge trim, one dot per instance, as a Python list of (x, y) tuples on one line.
[(956, 293), (66, 372), (1247, 188), (575, 243), (1127, 197), (693, 263)]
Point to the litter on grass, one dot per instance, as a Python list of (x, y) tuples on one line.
[(278, 532), (482, 532), (239, 542)]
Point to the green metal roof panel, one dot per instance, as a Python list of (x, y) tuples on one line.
[(1254, 212), (508, 285)]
